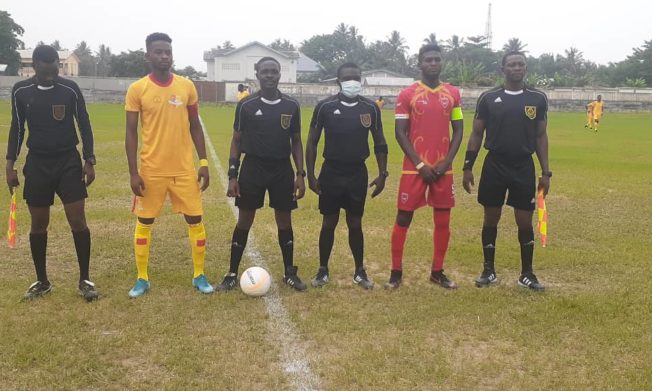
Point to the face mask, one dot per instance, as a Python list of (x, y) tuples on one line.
[(351, 88)]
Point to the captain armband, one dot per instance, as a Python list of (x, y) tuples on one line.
[(381, 149), (469, 159), (234, 165), (456, 114)]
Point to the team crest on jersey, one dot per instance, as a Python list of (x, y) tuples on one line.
[(174, 101), (444, 100), (531, 112), (285, 121), (59, 112), (404, 197), (365, 120)]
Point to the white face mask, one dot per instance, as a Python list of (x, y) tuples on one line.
[(351, 88)]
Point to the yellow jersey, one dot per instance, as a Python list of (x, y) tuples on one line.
[(167, 148), (380, 104), (242, 95), (598, 108)]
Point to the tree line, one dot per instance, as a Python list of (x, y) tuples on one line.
[(469, 60)]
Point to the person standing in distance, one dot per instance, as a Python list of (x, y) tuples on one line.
[(515, 118), (425, 113), (167, 105), (49, 105), (267, 128), (346, 118)]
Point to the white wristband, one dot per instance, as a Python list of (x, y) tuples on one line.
[(420, 165)]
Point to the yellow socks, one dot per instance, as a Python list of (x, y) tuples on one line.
[(197, 236), (142, 239)]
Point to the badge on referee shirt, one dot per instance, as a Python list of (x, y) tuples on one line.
[(365, 120), (59, 112), (531, 112), (285, 121)]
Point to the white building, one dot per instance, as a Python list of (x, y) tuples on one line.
[(238, 64), (381, 77)]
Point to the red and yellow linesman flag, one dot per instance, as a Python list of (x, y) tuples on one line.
[(542, 223), (11, 224)]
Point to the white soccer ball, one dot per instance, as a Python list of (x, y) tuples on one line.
[(255, 281)]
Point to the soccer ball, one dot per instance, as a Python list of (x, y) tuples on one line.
[(255, 281)]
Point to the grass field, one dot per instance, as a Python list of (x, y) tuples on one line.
[(589, 330)]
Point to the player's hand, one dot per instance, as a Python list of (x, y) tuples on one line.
[(234, 188), (544, 183), (313, 183), (428, 174), (468, 181), (379, 184), (441, 168), (203, 177), (88, 173), (12, 180), (299, 188), (137, 185)]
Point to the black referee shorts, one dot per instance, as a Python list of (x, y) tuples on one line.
[(47, 175), (500, 175), (260, 175), (342, 187)]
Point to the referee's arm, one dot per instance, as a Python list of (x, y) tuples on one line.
[(472, 149), (84, 124), (16, 134), (542, 154)]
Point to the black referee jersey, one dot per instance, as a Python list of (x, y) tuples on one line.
[(511, 120), (50, 114), (267, 126), (346, 127)]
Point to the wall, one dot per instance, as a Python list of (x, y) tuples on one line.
[(570, 99)]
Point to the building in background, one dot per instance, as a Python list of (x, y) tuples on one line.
[(68, 63)]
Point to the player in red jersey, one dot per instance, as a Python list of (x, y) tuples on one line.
[(423, 113)]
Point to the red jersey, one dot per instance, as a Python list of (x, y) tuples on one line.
[(429, 112)]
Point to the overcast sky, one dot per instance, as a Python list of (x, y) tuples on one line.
[(604, 33)]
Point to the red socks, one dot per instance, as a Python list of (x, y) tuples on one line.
[(441, 235)]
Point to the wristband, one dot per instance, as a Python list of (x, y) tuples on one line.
[(469, 160), (381, 149), (203, 162), (420, 165), (301, 173), (234, 165)]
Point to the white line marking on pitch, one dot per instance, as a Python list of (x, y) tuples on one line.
[(293, 355)]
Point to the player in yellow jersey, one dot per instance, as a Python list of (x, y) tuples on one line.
[(598, 112), (243, 92), (380, 102), (589, 116), (170, 125)]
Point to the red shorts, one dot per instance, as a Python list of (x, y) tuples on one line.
[(414, 192)]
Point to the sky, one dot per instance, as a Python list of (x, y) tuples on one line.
[(604, 33)]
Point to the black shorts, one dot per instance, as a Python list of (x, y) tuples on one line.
[(47, 175), (259, 175), (500, 175), (342, 186)]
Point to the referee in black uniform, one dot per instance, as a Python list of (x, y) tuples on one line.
[(515, 119), (267, 128), (49, 105), (347, 118)]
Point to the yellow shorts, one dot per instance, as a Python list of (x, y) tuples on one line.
[(184, 194)]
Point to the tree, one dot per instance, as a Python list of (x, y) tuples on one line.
[(477, 41), (431, 39), (228, 45), (282, 45), (129, 64), (190, 72), (514, 45), (104, 59), (87, 62), (57, 45), (9, 42)]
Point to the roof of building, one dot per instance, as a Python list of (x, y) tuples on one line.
[(215, 52)]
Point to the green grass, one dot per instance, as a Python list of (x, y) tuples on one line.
[(589, 330)]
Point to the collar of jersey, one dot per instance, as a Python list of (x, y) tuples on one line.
[(436, 89), (508, 92), (270, 102), (158, 83)]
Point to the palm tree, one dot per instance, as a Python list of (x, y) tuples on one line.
[(454, 45), (430, 39), (514, 45)]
